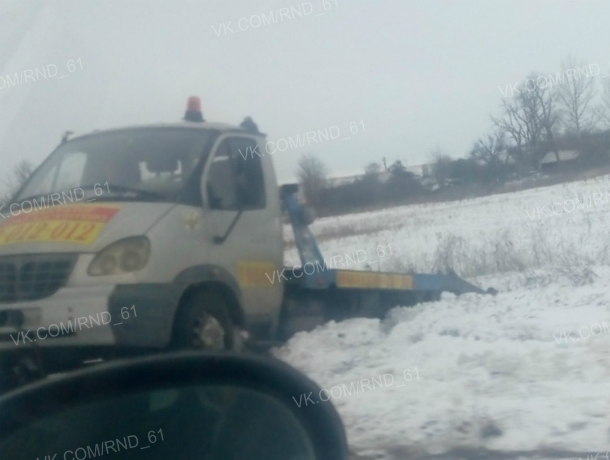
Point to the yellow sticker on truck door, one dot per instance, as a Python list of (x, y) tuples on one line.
[(80, 224), (255, 274)]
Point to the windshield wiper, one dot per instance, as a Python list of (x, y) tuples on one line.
[(121, 189)]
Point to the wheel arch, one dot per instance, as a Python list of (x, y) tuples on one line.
[(217, 279)]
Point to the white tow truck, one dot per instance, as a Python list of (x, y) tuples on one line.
[(167, 236)]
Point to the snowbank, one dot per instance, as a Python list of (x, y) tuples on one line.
[(501, 373), (494, 372)]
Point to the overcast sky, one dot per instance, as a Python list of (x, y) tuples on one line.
[(411, 75)]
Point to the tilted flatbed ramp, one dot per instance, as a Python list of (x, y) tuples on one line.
[(341, 294)]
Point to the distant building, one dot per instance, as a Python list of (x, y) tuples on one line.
[(506, 157), (343, 180), (562, 160), (420, 170), (422, 173), (382, 176)]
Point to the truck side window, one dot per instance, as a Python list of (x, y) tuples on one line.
[(220, 184), (248, 173)]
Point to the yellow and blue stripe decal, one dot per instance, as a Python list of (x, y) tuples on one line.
[(372, 280)]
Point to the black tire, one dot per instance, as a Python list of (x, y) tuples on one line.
[(203, 314)]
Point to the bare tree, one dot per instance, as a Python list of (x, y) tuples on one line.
[(312, 176), (21, 172), (489, 151), (441, 167), (512, 123), (549, 119), (493, 155), (529, 120), (603, 110), (575, 97), (372, 169)]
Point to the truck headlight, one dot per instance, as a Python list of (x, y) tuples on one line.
[(124, 256)]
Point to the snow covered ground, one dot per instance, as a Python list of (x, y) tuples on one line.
[(526, 370)]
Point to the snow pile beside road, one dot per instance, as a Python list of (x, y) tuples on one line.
[(481, 372), (500, 373)]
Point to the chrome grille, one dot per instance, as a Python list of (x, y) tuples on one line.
[(28, 277)]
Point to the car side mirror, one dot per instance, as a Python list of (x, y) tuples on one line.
[(179, 406)]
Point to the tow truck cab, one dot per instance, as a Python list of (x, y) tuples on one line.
[(141, 237)]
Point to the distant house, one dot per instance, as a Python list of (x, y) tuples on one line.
[(429, 183), (422, 173), (337, 181), (562, 160), (507, 157), (420, 170), (382, 176)]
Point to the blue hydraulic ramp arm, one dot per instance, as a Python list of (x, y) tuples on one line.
[(320, 276)]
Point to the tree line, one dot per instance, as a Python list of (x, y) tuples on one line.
[(569, 110)]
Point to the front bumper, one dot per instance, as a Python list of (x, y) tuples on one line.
[(133, 315)]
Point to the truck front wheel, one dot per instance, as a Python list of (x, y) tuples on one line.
[(203, 323)]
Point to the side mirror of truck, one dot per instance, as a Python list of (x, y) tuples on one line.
[(177, 405), (307, 215)]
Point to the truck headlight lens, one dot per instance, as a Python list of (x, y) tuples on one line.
[(124, 256)]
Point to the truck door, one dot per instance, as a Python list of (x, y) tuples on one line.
[(243, 225)]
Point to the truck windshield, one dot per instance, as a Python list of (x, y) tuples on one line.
[(145, 163)]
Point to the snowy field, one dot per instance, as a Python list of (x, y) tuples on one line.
[(524, 373)]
